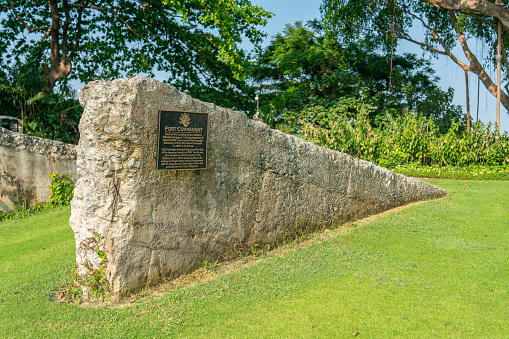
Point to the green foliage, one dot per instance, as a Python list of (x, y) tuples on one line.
[(97, 283), (438, 31), (255, 250), (21, 84), (20, 211), (48, 115), (384, 23), (101, 254), (62, 189), (98, 251), (398, 140), (94, 281), (301, 69), (56, 117), (74, 290), (209, 266), (195, 41)]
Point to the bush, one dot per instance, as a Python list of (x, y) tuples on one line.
[(62, 189), (399, 140)]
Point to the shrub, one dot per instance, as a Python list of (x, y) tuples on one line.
[(399, 140), (62, 189)]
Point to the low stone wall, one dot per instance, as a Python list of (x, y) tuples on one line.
[(25, 162), (260, 184)]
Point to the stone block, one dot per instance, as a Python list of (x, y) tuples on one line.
[(260, 184)]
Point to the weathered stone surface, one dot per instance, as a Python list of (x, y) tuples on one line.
[(25, 162), (260, 184)]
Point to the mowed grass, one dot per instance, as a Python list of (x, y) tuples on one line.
[(434, 270)]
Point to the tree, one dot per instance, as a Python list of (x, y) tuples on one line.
[(195, 41), (301, 68), (49, 115), (446, 23), (296, 67), (20, 85), (475, 7)]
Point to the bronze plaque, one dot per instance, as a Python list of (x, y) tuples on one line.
[(182, 140)]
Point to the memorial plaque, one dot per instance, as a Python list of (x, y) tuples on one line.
[(182, 140)]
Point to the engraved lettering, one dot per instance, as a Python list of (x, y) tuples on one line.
[(182, 140)]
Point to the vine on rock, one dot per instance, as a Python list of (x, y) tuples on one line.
[(93, 285)]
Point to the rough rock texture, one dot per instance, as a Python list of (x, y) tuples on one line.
[(260, 184), (25, 162)]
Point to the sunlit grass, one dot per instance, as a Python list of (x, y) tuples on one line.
[(437, 269), (475, 172)]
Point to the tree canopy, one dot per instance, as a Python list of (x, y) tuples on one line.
[(446, 23), (195, 41), (301, 68)]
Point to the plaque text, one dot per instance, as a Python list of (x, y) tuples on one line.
[(182, 140)]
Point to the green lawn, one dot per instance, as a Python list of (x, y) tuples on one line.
[(434, 270)]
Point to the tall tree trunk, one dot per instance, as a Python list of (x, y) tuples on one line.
[(468, 102), (478, 90), (59, 66), (499, 71), (475, 66)]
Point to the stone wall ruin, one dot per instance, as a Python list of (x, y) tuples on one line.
[(260, 184), (25, 162)]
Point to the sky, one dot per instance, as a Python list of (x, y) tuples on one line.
[(451, 75)]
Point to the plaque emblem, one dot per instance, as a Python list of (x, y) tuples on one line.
[(185, 119)]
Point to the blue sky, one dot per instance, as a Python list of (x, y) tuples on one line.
[(451, 75)]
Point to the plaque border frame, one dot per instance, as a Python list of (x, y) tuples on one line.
[(159, 137)]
